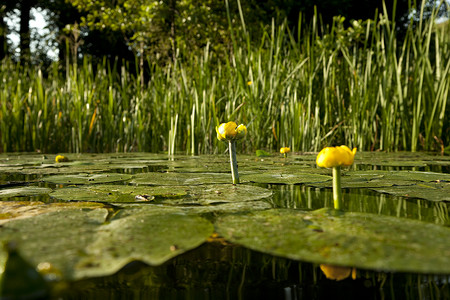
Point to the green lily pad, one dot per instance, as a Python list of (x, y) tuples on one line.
[(148, 237), (401, 175), (87, 178), (285, 177), (24, 191), (358, 240), (118, 193), (11, 210), (172, 178), (174, 195), (262, 153), (428, 191), (79, 244), (57, 237)]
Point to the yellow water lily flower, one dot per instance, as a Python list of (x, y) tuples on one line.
[(231, 131), (241, 131), (331, 157), (61, 158), (285, 150), (335, 158), (338, 273)]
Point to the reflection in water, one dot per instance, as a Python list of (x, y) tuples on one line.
[(360, 200)]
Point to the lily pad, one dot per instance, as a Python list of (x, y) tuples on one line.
[(147, 237), (24, 191), (428, 191), (172, 178), (358, 240), (78, 244), (118, 193), (174, 195), (283, 177), (87, 178), (57, 237), (12, 210), (401, 175)]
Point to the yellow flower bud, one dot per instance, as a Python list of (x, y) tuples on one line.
[(230, 131), (285, 150), (241, 131), (331, 157), (61, 158)]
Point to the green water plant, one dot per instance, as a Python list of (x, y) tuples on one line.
[(230, 132), (335, 158)]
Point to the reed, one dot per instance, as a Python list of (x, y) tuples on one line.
[(359, 85)]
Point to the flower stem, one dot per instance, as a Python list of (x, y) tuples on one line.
[(337, 193), (233, 161)]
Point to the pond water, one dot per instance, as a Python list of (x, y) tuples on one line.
[(98, 222)]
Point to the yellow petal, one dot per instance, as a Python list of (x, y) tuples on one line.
[(61, 158), (241, 131), (285, 150), (331, 157), (220, 137)]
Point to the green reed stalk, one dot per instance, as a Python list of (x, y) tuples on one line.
[(358, 85)]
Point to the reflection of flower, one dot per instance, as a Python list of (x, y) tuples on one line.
[(285, 150), (331, 157), (338, 273), (230, 131), (61, 158)]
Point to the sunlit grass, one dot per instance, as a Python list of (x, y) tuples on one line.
[(360, 85)]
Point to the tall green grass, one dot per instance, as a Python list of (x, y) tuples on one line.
[(359, 85)]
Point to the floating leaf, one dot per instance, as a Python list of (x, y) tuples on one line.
[(11, 210), (87, 178), (428, 191), (57, 237), (174, 195), (285, 177), (78, 243), (401, 175), (262, 153), (347, 239), (145, 236), (24, 191), (172, 178)]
